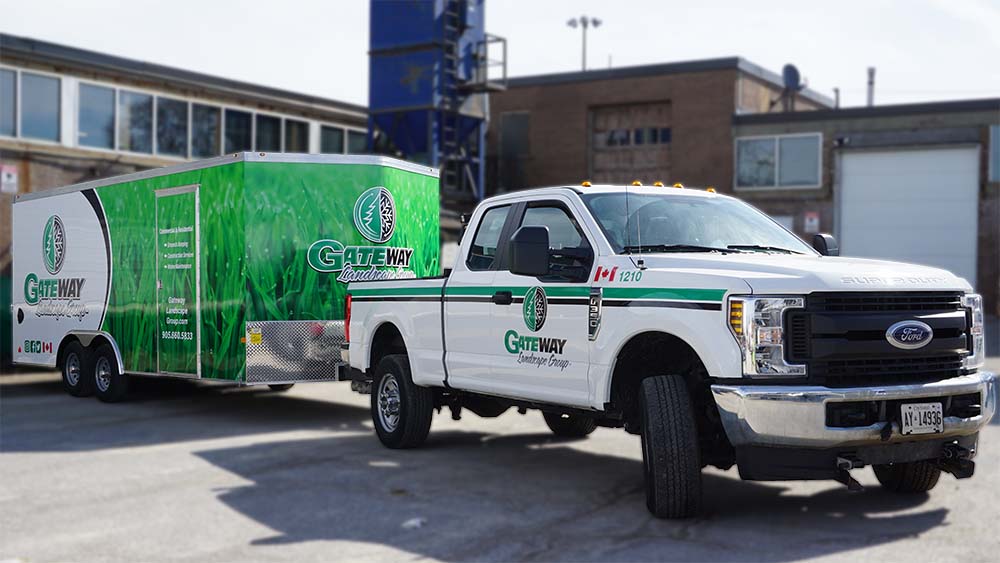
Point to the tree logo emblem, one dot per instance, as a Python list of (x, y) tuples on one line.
[(375, 214), (54, 245), (536, 308)]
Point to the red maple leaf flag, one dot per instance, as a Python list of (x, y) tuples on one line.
[(605, 274)]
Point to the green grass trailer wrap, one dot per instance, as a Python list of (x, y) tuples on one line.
[(233, 268)]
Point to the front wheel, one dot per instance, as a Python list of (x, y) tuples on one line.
[(401, 410), (911, 477), (669, 448), (569, 425), (75, 365), (111, 386)]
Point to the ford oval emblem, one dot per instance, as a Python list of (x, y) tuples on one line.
[(909, 335)]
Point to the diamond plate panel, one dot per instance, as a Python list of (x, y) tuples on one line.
[(293, 351)]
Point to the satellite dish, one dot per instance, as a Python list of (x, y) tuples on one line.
[(792, 79)]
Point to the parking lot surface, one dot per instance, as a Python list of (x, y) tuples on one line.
[(187, 472)]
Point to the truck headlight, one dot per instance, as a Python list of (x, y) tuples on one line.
[(976, 358), (757, 324)]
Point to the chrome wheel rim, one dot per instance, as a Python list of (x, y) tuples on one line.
[(388, 403), (102, 374), (72, 370)]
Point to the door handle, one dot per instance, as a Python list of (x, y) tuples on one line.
[(503, 298)]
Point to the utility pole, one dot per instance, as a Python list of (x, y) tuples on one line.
[(584, 22)]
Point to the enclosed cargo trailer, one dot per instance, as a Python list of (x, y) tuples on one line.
[(231, 269)]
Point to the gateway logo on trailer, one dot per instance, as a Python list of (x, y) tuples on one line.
[(375, 215), (54, 245), (535, 309)]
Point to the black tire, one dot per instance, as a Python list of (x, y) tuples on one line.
[(911, 477), (414, 405), (109, 384), (281, 387), (76, 370), (671, 460), (569, 425)]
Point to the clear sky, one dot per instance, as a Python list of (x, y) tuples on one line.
[(923, 49)]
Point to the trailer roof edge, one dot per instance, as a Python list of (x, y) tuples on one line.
[(232, 158)]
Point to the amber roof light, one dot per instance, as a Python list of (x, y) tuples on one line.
[(585, 183), (636, 183)]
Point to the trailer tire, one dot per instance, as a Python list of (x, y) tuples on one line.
[(670, 455), (401, 410), (569, 425), (911, 477), (75, 369), (280, 387), (109, 384)]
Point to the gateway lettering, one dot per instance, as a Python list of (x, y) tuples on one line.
[(515, 343), (58, 288)]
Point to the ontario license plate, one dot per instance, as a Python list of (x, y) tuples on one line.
[(922, 418)]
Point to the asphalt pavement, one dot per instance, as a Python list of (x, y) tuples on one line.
[(187, 472)]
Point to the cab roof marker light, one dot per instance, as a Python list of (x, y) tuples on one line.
[(658, 184), (710, 190), (585, 183), (678, 185), (636, 183)]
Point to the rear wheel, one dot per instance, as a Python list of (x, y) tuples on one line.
[(110, 385), (569, 425), (669, 448), (75, 366), (401, 410), (911, 477)]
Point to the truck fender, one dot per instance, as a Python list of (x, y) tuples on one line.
[(93, 337), (606, 386)]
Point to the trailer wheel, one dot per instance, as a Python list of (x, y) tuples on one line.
[(569, 425), (672, 468), (279, 387), (401, 410), (911, 477), (110, 385), (75, 367)]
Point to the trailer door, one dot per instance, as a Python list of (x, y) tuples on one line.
[(178, 300)]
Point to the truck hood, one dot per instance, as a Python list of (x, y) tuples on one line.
[(784, 273)]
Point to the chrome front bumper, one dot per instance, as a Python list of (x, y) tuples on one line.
[(795, 416)]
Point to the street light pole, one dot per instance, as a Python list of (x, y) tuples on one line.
[(584, 22)]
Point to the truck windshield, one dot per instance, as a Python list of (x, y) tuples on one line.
[(674, 223)]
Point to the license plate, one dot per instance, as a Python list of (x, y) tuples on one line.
[(922, 418)]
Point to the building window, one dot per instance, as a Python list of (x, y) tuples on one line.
[(8, 102), (239, 126), (96, 125), (780, 161), (268, 133), (206, 131), (171, 127), (994, 172), (296, 136), (135, 122), (357, 142), (39, 107), (331, 140)]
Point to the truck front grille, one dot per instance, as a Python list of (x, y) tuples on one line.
[(840, 337)]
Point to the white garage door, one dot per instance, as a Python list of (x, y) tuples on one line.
[(915, 206)]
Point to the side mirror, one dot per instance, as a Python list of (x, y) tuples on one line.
[(529, 251), (826, 245)]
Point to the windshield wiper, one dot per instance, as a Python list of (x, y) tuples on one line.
[(764, 248), (676, 248)]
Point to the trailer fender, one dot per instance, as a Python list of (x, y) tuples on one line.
[(93, 338)]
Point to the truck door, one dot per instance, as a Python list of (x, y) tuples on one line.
[(178, 299), (539, 342), (469, 302)]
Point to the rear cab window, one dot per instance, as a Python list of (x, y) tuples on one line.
[(483, 252)]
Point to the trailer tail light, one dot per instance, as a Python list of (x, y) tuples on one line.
[(316, 330), (347, 319)]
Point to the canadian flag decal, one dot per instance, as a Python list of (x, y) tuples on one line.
[(605, 274)]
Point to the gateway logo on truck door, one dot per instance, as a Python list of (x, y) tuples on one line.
[(375, 215), (535, 309), (54, 245)]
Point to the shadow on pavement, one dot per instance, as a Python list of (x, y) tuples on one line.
[(473, 496), (37, 416)]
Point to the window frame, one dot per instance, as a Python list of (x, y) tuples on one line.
[(19, 106), (776, 138), (17, 102), (512, 210)]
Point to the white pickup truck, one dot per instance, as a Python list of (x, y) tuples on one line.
[(691, 319)]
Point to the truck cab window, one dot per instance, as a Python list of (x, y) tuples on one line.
[(570, 255), (484, 246)]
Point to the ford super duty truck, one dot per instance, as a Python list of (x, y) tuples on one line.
[(693, 320)]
